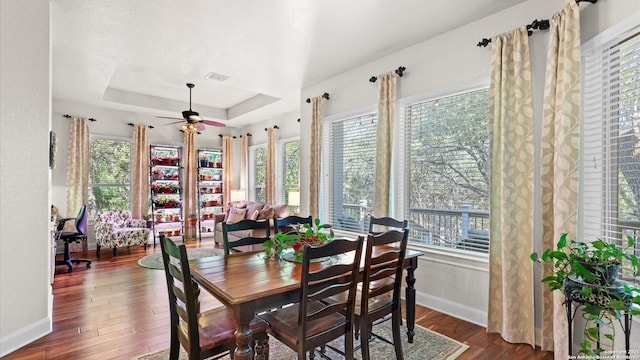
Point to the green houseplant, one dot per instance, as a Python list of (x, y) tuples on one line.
[(302, 234), (587, 273)]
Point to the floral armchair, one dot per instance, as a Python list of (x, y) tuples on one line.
[(116, 229)]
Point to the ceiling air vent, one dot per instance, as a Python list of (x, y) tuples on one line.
[(216, 76)]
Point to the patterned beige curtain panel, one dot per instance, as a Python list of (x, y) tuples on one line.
[(190, 183), (140, 172), (314, 159), (227, 164), (270, 176), (559, 173), (244, 157), (511, 300), (77, 165), (384, 143)]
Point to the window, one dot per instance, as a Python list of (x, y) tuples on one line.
[(258, 176), (109, 175), (349, 158), (446, 172), (610, 153), (290, 169)]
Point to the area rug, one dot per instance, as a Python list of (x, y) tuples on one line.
[(427, 345), (154, 261)]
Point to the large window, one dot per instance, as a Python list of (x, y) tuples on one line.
[(109, 175), (349, 158), (446, 171), (258, 173), (290, 169), (610, 171)]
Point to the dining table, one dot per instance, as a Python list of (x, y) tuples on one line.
[(249, 283)]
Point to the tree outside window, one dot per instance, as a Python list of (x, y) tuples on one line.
[(109, 175)]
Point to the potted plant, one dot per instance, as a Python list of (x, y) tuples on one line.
[(587, 273), (192, 219), (304, 234)]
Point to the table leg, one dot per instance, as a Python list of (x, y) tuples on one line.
[(410, 296), (243, 336)]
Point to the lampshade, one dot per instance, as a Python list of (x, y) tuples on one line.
[(294, 198), (237, 195)]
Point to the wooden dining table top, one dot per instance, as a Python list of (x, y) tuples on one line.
[(244, 277)]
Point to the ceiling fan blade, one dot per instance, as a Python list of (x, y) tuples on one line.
[(212, 123), (200, 126), (168, 117), (175, 122)]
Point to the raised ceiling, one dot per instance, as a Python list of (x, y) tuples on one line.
[(137, 55)]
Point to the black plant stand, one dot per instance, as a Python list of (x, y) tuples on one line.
[(579, 300)]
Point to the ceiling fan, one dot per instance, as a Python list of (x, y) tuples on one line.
[(192, 117)]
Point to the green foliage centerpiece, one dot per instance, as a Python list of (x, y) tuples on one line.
[(588, 274), (302, 234)]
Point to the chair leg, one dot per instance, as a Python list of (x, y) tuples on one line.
[(114, 251), (364, 341), (67, 257), (397, 339), (97, 250)]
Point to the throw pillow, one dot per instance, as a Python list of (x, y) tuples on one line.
[(254, 216), (267, 212), (231, 210), (235, 216), (252, 207)]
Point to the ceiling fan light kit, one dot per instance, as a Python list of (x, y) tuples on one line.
[(193, 120)]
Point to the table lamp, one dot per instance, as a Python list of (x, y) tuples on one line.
[(236, 196), (294, 200)]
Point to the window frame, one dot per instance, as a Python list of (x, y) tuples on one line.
[(90, 185), (281, 188), (599, 217), (401, 191), (252, 170)]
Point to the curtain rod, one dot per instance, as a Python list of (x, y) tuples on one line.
[(325, 95), (536, 25), (399, 71), (149, 126), (69, 117)]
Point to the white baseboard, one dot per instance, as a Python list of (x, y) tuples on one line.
[(24, 336), (451, 308)]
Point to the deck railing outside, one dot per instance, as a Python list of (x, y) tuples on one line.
[(457, 229)]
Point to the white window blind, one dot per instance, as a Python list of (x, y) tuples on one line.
[(446, 154), (610, 154), (349, 150)]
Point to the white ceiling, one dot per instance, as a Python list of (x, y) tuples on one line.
[(137, 55)]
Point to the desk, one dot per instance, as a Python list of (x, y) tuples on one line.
[(247, 283)]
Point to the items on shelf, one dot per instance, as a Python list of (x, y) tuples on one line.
[(210, 198), (166, 191)]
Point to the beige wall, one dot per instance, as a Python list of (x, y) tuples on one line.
[(25, 107)]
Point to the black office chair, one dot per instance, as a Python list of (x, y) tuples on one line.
[(70, 236)]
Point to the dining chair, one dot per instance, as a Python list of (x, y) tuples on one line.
[(388, 222), (201, 333), (379, 295), (288, 223), (253, 229), (79, 234), (311, 323)]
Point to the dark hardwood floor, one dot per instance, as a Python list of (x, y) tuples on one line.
[(117, 310)]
